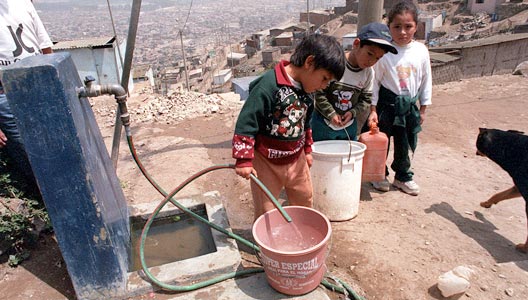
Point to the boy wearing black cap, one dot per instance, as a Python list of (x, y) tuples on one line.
[(338, 106)]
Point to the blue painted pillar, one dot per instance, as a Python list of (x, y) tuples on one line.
[(74, 172)]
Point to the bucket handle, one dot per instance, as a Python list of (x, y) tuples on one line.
[(347, 163), (350, 144)]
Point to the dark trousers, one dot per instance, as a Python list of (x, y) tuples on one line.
[(15, 149), (322, 132), (401, 164)]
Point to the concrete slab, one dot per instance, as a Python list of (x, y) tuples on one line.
[(227, 259), (247, 288), (189, 271)]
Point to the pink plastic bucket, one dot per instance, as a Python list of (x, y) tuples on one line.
[(293, 254)]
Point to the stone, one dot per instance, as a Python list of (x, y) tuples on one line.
[(521, 69)]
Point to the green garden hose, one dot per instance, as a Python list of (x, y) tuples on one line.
[(168, 197)]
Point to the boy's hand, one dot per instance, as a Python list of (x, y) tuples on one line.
[(3, 139), (336, 120), (346, 117), (309, 159), (244, 172), (422, 113), (373, 118)]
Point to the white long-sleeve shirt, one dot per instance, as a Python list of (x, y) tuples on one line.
[(21, 31), (406, 73)]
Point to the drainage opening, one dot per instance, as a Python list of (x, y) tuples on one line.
[(171, 238)]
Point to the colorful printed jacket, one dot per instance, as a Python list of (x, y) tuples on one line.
[(352, 93), (275, 120)]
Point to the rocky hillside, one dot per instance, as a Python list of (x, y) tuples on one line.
[(458, 25), (144, 106)]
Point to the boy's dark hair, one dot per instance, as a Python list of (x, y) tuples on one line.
[(401, 7), (367, 42), (328, 54)]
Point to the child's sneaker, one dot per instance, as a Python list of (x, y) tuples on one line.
[(410, 187), (382, 186)]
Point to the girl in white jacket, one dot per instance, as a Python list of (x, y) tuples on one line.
[(400, 82)]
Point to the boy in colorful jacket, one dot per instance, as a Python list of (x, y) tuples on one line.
[(273, 138)]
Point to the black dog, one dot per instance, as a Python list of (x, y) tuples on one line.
[(509, 149)]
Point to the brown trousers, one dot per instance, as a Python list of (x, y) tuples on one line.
[(293, 177)]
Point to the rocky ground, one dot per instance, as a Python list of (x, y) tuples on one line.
[(395, 248)]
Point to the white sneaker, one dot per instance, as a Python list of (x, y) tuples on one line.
[(410, 187), (382, 186)]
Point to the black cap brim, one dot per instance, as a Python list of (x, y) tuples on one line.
[(386, 45)]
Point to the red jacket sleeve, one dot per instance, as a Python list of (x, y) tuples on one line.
[(308, 139), (243, 150)]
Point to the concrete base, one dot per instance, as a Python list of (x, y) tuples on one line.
[(225, 260), (189, 271), (254, 287)]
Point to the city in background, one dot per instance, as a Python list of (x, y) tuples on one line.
[(206, 24), (237, 39)]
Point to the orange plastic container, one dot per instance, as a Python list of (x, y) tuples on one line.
[(376, 154)]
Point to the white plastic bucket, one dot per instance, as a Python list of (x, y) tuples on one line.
[(336, 178)]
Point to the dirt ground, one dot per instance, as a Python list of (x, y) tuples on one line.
[(397, 246)]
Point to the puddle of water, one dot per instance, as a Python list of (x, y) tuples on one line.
[(170, 239)]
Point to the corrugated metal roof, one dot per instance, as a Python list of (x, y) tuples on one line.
[(234, 55), (222, 72), (264, 32), (321, 12), (484, 42), (350, 35), (101, 42), (195, 71), (290, 24), (284, 26), (243, 82), (442, 57), (285, 35), (271, 50)]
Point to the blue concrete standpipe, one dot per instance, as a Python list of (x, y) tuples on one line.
[(70, 161)]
